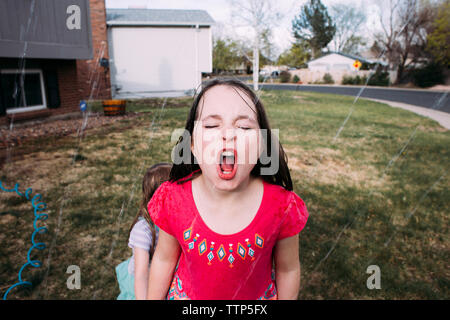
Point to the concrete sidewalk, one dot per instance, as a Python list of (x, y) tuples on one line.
[(442, 117)]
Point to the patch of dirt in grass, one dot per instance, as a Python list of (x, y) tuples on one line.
[(436, 128), (27, 132), (87, 239), (44, 167), (300, 98), (121, 178), (105, 154), (326, 166), (7, 219)]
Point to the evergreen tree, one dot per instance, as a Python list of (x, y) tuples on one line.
[(314, 26)]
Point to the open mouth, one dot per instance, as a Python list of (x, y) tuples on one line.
[(227, 164)]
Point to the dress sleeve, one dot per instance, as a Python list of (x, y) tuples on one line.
[(295, 217), (157, 208), (140, 235)]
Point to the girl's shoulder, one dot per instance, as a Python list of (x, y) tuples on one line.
[(289, 208), (169, 187), (140, 227), (281, 196), (140, 235), (169, 204), (141, 223)]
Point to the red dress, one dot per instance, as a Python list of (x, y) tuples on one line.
[(213, 266)]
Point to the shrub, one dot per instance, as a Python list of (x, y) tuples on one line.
[(428, 76), (364, 79), (379, 78), (296, 79), (285, 76), (354, 80), (347, 80), (327, 78)]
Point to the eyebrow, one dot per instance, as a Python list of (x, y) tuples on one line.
[(216, 116)]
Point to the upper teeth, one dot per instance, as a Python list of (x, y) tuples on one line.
[(228, 154)]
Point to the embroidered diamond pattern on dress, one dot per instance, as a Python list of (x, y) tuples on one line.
[(259, 241), (231, 260), (210, 257), (187, 234), (202, 247), (241, 251), (221, 252)]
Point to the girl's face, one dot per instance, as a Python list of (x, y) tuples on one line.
[(226, 141)]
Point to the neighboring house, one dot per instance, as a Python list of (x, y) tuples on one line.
[(338, 65), (48, 56), (335, 61), (155, 52)]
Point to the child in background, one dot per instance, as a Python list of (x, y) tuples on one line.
[(227, 216), (132, 274)]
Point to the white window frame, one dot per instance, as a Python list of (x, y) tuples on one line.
[(44, 98)]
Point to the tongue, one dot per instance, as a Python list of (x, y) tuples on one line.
[(226, 166)]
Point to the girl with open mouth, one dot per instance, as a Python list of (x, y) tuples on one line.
[(229, 224)]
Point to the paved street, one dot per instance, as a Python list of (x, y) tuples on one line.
[(422, 98)]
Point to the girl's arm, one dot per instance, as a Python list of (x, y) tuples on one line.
[(287, 268), (141, 261), (163, 264)]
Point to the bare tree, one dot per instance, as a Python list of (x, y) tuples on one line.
[(260, 16), (349, 21), (404, 32)]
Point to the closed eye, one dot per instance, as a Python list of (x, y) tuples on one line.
[(208, 127)]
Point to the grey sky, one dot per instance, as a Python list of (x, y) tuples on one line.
[(220, 12)]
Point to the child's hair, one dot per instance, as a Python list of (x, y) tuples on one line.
[(282, 177), (153, 178)]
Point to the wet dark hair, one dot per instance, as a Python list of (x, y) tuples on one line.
[(180, 171), (153, 178)]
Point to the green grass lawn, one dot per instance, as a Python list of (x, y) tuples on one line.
[(368, 204)]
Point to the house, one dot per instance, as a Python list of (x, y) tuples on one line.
[(335, 61), (337, 65), (158, 52), (47, 55)]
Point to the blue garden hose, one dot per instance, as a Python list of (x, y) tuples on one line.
[(38, 215)]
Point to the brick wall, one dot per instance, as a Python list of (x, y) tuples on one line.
[(69, 92), (94, 80), (76, 78), (68, 87)]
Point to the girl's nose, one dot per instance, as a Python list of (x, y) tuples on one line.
[(228, 134)]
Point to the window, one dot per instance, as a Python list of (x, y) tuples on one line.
[(22, 90)]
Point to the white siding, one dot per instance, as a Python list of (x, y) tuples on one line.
[(331, 62), (205, 50), (147, 60)]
